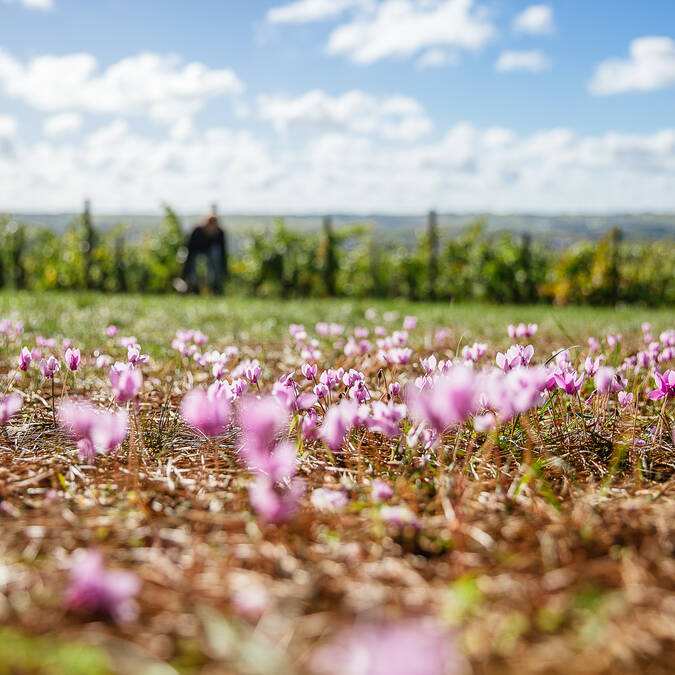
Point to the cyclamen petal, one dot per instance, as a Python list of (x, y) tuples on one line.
[(207, 412)]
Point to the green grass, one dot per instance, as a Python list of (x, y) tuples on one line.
[(151, 318)]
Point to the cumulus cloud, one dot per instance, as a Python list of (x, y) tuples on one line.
[(437, 58), (467, 168), (61, 124), (8, 126), (533, 61), (535, 20), (306, 11), (44, 5), (155, 85), (393, 117), (401, 28), (649, 66)]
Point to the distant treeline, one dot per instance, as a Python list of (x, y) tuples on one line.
[(346, 261)]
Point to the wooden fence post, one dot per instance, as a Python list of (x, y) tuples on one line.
[(330, 259), (432, 235)]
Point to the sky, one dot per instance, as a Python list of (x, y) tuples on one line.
[(337, 106)]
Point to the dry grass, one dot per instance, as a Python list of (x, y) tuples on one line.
[(549, 551)]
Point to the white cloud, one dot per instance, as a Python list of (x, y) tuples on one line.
[(43, 5), (535, 20), (437, 58), (394, 117), (533, 61), (63, 123), (650, 66), (306, 11), (149, 84), (466, 169), (8, 126), (401, 28)]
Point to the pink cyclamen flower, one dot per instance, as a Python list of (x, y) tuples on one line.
[(337, 421), (625, 398), (94, 588), (448, 401), (9, 405), (406, 647), (208, 411), (73, 358), (325, 499), (665, 385), (608, 381), (49, 367), (275, 502), (98, 432), (613, 341), (134, 355), (25, 358), (111, 331), (515, 356), (409, 323), (126, 381), (309, 371), (381, 491), (568, 380)]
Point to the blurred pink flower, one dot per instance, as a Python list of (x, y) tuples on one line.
[(275, 502), (337, 421), (406, 647), (95, 589), (326, 499), (608, 381), (209, 412), (126, 381), (111, 331), (9, 405), (409, 323), (96, 430), (448, 401), (381, 491)]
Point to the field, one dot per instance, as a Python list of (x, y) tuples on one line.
[(274, 531)]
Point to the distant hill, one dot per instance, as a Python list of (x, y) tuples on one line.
[(558, 229)]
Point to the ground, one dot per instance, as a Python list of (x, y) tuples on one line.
[(551, 549)]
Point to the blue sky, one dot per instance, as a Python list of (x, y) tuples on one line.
[(345, 105)]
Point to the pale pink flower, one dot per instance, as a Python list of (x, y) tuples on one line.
[(94, 588), (407, 647), (410, 323), (207, 412), (326, 499), (275, 502), (9, 405), (96, 430), (608, 381), (381, 491), (25, 358), (126, 381), (448, 401), (625, 398), (49, 367), (111, 331), (73, 358)]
